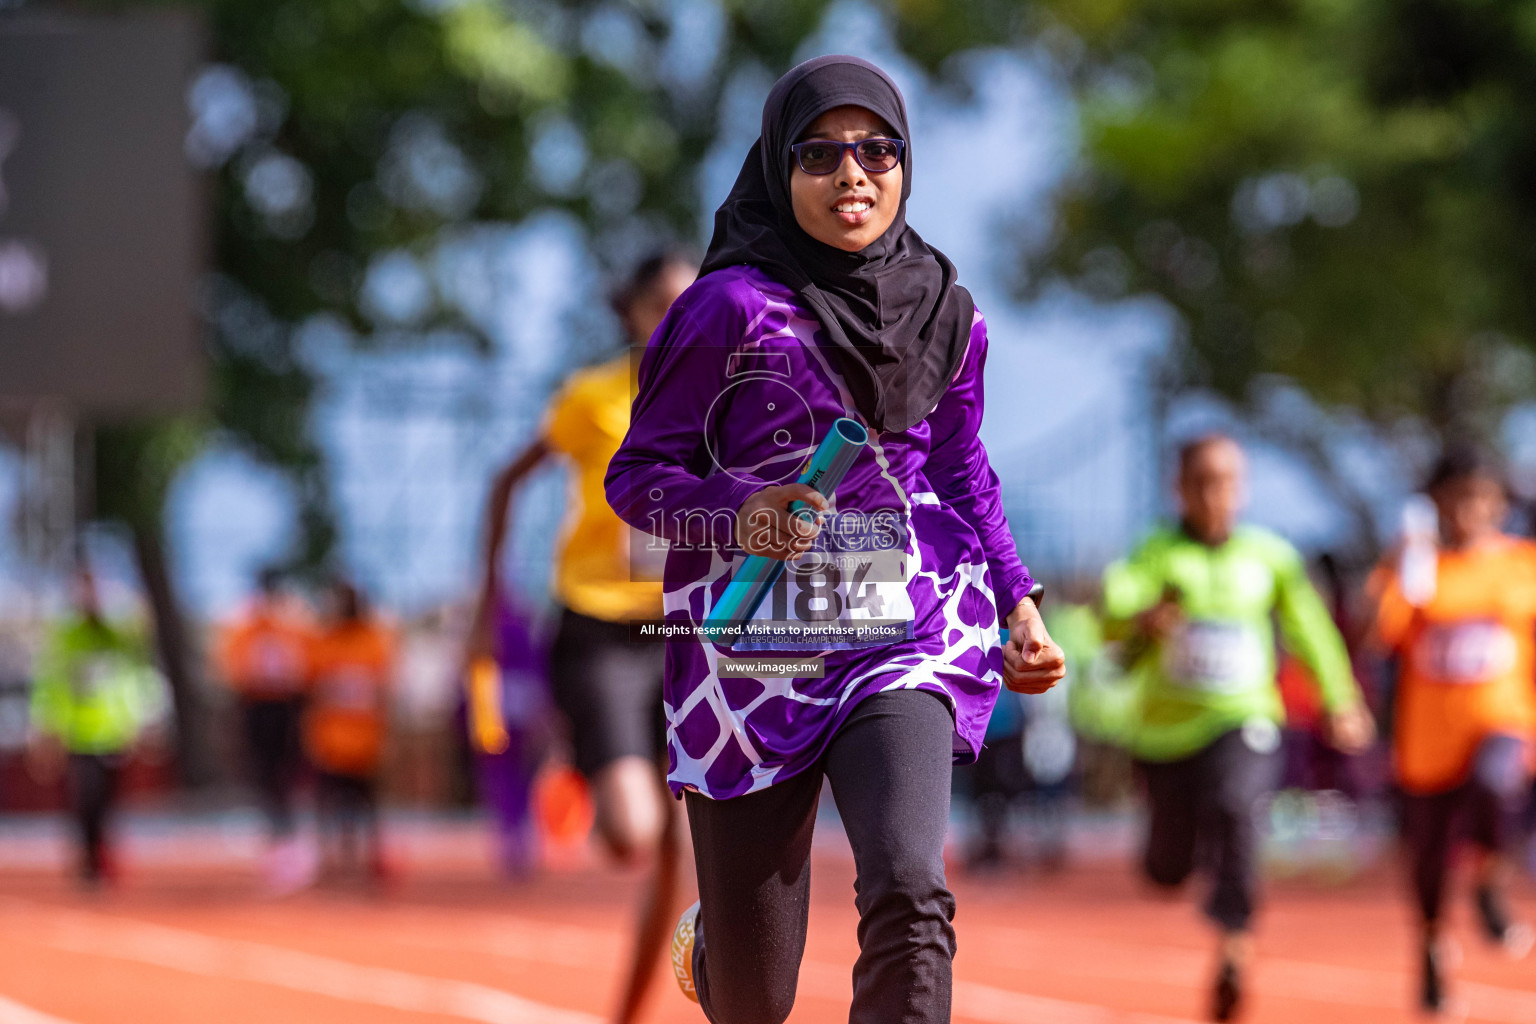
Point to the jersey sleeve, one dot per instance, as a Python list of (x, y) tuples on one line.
[(1132, 585), (1393, 613), (663, 480), (391, 643), (962, 475), (226, 655), (1309, 632), (1105, 706), (50, 686)]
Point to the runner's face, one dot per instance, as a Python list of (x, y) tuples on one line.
[(1211, 490), (651, 305), (849, 208), (1471, 509)]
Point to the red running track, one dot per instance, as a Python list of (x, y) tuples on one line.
[(186, 944)]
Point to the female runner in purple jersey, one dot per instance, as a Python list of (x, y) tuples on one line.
[(817, 301)]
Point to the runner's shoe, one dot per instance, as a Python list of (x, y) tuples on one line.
[(291, 864), (1514, 937), (1431, 979), (1227, 999), (682, 950)]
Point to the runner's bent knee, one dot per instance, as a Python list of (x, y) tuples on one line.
[(628, 803)]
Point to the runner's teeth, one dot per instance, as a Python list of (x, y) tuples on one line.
[(852, 207)]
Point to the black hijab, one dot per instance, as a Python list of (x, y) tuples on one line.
[(896, 317)]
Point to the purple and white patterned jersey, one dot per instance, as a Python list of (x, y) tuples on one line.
[(736, 389)]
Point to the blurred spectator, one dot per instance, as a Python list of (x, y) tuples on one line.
[(264, 656), (344, 729), (95, 693), (508, 716)]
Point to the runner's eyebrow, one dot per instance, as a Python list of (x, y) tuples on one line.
[(862, 133)]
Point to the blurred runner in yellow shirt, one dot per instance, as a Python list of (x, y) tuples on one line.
[(1459, 621), (608, 687)]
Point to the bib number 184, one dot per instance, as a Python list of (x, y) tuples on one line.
[(818, 595)]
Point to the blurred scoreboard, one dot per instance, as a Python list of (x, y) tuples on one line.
[(102, 224)]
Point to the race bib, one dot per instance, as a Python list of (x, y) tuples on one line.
[(848, 592), (348, 689), (95, 673), (1215, 656), (1469, 652), (275, 666)]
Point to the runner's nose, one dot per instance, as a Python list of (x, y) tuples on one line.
[(849, 172)]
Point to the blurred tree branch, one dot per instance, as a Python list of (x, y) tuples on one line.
[(1336, 191)]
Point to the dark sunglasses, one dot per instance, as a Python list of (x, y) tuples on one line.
[(823, 156)]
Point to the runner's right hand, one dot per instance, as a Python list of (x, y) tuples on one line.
[(764, 525), (1352, 730), (1032, 661)]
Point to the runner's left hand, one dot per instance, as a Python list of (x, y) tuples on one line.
[(766, 527), (1032, 662)]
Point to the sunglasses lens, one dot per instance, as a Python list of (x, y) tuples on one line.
[(879, 154), (820, 157)]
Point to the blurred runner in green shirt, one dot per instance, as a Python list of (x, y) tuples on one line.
[(1193, 609), (93, 693)]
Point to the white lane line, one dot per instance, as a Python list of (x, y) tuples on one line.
[(1494, 1002), (562, 945), (556, 945), (239, 960), (573, 946), (1004, 1006), (1330, 984), (12, 1012)]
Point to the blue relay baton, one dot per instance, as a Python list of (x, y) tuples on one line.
[(757, 574)]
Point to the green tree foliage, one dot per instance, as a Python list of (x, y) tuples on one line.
[(1338, 192), (401, 120), (404, 120)]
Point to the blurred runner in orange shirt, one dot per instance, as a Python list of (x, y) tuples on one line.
[(345, 726), (263, 655), (1459, 620)]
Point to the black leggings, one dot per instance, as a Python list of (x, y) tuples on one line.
[(1486, 805), (94, 781), (1203, 810), (272, 743), (348, 810), (889, 766)]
